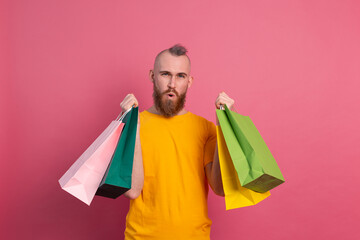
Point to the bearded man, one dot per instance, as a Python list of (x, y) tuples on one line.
[(175, 158)]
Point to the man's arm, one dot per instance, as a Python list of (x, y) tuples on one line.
[(213, 175), (212, 169), (137, 178)]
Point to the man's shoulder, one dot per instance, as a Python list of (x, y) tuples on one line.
[(202, 120), (205, 126), (198, 117)]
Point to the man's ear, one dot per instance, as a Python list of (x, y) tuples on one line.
[(191, 79), (151, 75)]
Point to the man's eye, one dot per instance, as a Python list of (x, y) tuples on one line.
[(164, 74), (182, 76)]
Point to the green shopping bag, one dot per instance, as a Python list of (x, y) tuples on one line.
[(255, 166), (117, 178)]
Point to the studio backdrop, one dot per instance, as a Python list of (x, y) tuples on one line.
[(292, 66)]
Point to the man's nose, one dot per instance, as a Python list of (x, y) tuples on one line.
[(171, 83)]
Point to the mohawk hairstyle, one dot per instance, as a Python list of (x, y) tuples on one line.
[(176, 50)]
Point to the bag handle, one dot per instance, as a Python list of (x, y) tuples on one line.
[(122, 115)]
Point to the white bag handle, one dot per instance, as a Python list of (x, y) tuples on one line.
[(122, 115)]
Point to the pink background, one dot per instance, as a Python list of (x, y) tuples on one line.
[(292, 66)]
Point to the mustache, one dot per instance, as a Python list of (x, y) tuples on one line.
[(170, 91)]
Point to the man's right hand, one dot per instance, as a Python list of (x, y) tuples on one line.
[(137, 178), (128, 102)]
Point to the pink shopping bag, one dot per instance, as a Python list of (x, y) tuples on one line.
[(84, 176)]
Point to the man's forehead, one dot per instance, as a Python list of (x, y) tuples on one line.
[(168, 62)]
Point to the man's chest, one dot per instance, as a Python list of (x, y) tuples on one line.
[(172, 148)]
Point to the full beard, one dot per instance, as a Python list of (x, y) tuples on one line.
[(168, 107)]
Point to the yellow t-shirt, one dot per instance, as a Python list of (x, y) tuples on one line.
[(173, 202)]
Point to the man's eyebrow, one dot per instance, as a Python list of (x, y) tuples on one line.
[(164, 71), (182, 73)]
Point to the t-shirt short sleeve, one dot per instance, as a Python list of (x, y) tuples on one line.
[(210, 144)]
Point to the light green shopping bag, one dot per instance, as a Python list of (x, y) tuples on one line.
[(255, 166)]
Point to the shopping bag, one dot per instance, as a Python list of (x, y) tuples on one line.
[(255, 166), (84, 176), (117, 179), (236, 196)]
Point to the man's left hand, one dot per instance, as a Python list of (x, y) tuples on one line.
[(223, 99)]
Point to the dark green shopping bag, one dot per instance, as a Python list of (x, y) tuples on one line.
[(256, 167), (117, 178)]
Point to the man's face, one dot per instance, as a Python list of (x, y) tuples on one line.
[(171, 79)]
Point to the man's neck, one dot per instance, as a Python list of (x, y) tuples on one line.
[(153, 109)]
